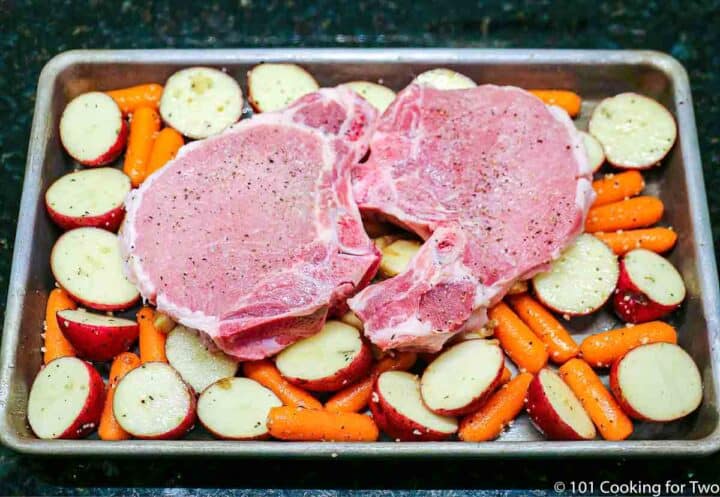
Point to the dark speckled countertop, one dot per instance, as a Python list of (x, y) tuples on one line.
[(32, 32)]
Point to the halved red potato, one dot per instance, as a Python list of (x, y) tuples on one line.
[(97, 337), (66, 399), (198, 361), (635, 131), (656, 382), (378, 96), (581, 280), (152, 402), (86, 262), (91, 197), (275, 86), (396, 256), (92, 129), (594, 151), (201, 101), (236, 409), (649, 287), (399, 411), (444, 79), (555, 410), (460, 379), (329, 360)]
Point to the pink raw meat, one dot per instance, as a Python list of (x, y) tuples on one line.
[(496, 182), (253, 236)]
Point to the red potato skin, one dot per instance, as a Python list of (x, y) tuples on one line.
[(617, 392), (544, 417), (98, 343), (358, 368), (89, 416), (113, 152), (396, 425), (110, 220), (632, 305)]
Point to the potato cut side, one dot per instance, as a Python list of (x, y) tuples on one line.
[(236, 408), (92, 319), (396, 256), (201, 101), (379, 96), (594, 151), (444, 79), (275, 86), (655, 276), (198, 361), (581, 280), (635, 131)]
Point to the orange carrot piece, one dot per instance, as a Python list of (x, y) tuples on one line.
[(506, 376), (517, 340), (616, 187), (356, 396), (56, 345), (600, 405), (559, 342), (165, 148), (602, 349), (500, 409), (568, 100), (296, 423), (637, 212), (144, 125), (109, 428), (265, 373), (151, 340), (658, 240), (134, 97)]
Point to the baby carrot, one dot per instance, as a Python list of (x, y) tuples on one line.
[(506, 376), (165, 148), (616, 187), (151, 341), (109, 429), (658, 240), (500, 409), (517, 340), (296, 423), (637, 212), (56, 345), (356, 396), (144, 125), (602, 349), (604, 411), (265, 373), (568, 100), (558, 341), (134, 97)]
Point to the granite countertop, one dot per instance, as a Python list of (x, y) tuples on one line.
[(31, 32)]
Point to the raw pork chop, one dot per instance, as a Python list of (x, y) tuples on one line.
[(252, 236), (495, 181)]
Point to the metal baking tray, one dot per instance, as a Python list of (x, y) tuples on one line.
[(593, 74)]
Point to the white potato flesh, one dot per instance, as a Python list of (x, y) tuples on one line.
[(90, 126), (151, 400), (635, 131), (197, 361), (378, 96), (87, 263), (566, 404), (402, 391), (92, 319), (655, 276), (594, 151), (201, 102), (236, 408), (581, 279), (58, 395), (660, 381), (444, 79), (275, 86), (322, 355), (396, 256), (461, 374), (88, 193)]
